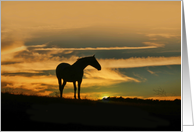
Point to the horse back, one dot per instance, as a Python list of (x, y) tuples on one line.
[(61, 67), (68, 73)]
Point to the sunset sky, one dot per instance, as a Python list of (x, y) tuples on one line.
[(138, 45)]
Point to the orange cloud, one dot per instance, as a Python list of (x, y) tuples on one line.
[(142, 78), (34, 83), (43, 62), (140, 62), (13, 50), (101, 48), (154, 44), (163, 35), (9, 50), (108, 74), (152, 72)]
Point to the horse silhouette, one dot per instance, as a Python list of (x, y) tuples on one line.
[(73, 73)]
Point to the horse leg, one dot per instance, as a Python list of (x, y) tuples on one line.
[(79, 84), (60, 87), (74, 84)]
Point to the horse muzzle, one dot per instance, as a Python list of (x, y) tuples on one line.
[(99, 68)]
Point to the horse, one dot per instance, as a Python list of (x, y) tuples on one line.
[(73, 73)]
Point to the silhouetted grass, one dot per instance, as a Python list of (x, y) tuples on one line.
[(14, 107), (163, 107), (31, 99), (155, 106)]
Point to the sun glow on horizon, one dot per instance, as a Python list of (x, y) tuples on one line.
[(105, 97)]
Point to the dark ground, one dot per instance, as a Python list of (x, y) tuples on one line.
[(18, 113)]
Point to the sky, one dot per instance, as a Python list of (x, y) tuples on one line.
[(137, 43)]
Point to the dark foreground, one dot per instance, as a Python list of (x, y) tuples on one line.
[(32, 113)]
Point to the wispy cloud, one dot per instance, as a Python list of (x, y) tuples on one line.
[(165, 28), (12, 47), (165, 35), (139, 76), (100, 48), (17, 49), (154, 73), (40, 83), (18, 46), (154, 44), (110, 74), (140, 62), (43, 63), (43, 82)]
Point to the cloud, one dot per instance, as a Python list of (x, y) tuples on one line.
[(165, 35), (12, 46), (165, 28), (43, 62), (140, 62), (142, 78), (17, 49), (152, 72), (108, 74), (92, 78), (9, 49), (106, 77), (32, 83), (100, 48), (36, 63), (154, 44), (38, 46), (153, 39), (41, 83)]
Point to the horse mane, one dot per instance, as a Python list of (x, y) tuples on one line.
[(81, 58)]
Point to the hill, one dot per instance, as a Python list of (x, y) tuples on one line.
[(30, 113)]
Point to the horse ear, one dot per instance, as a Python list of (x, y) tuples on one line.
[(94, 55)]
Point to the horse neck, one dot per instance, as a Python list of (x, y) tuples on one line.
[(80, 65)]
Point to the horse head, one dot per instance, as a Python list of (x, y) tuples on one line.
[(94, 63)]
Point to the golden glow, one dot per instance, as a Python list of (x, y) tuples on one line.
[(104, 97), (29, 17), (25, 22), (165, 98), (87, 13)]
